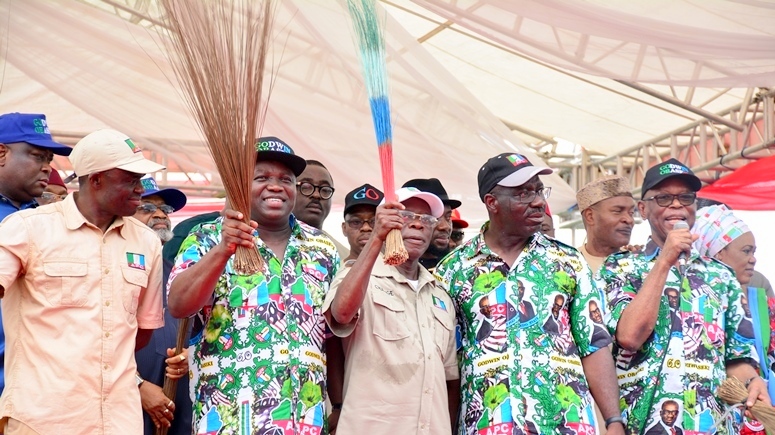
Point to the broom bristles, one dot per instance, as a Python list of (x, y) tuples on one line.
[(733, 392), (218, 50)]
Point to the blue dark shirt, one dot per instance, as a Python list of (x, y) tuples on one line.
[(6, 208)]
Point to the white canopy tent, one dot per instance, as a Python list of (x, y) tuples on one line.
[(469, 79)]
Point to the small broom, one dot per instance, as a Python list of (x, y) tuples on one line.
[(218, 51), (734, 392), (371, 42)]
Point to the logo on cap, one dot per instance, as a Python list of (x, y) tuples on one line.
[(271, 145), (517, 160), (366, 193), (149, 184), (671, 168), (132, 146), (41, 126)]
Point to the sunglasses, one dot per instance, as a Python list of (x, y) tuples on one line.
[(149, 208), (456, 236)]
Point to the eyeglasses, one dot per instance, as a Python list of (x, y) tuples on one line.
[(675, 412), (307, 189), (51, 197), (666, 200), (528, 196), (357, 224), (456, 236), (425, 219), (149, 208)]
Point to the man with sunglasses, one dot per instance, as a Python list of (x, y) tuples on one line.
[(533, 370), (315, 188), (654, 363), (158, 360), (397, 326)]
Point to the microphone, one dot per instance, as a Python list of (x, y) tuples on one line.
[(682, 257)]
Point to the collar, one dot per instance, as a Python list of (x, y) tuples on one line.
[(477, 246), (74, 219), (5, 201), (651, 251), (383, 270)]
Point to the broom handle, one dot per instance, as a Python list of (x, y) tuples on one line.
[(171, 385)]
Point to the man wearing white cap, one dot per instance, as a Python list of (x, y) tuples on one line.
[(530, 360), (398, 329), (82, 291)]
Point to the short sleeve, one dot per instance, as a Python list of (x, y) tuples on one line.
[(150, 309), (14, 250), (198, 242), (588, 335), (737, 347), (617, 290)]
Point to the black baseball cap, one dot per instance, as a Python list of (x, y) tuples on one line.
[(669, 169), (508, 170), (363, 195), (274, 149), (433, 185)]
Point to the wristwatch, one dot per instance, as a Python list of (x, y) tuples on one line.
[(139, 379), (612, 420)]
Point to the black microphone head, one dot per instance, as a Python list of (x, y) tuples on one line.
[(681, 225)]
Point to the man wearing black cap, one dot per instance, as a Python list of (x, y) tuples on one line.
[(439, 246), (158, 359), (26, 151), (709, 307), (258, 357), (360, 205), (507, 363)]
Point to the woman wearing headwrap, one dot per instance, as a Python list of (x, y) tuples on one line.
[(724, 236)]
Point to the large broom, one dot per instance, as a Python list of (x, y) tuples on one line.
[(371, 43), (218, 50), (733, 391)]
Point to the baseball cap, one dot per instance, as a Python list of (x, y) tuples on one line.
[(669, 169), (433, 185), (30, 128), (404, 193), (457, 221), (363, 195), (508, 170), (172, 197), (108, 149), (274, 149)]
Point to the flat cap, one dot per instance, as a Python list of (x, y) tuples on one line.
[(602, 188)]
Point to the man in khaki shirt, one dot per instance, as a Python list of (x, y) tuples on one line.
[(398, 329), (607, 210), (82, 291)]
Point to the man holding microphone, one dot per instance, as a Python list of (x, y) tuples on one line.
[(654, 364)]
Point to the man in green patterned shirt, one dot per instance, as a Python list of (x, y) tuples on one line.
[(675, 322), (528, 360), (259, 361)]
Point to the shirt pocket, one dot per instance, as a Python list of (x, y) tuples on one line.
[(135, 281), (389, 317), (65, 283), (442, 328)]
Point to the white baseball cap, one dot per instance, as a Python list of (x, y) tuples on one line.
[(108, 149), (434, 202)]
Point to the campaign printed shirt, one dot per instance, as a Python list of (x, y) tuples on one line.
[(523, 331), (702, 324), (258, 351)]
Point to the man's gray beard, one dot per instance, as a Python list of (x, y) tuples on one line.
[(164, 234)]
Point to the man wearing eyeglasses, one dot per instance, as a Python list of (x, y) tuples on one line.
[(457, 234), (397, 326), (158, 360), (542, 374), (655, 364), (313, 203), (360, 206), (439, 246)]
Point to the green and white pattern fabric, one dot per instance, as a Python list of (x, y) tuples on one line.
[(523, 331), (259, 358), (700, 327)]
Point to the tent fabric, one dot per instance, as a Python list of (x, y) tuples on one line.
[(708, 43), (751, 187)]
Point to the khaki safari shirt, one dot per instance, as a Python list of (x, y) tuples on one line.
[(399, 352)]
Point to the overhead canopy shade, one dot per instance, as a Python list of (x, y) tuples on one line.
[(751, 187)]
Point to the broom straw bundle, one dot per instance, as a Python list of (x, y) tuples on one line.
[(218, 50), (369, 35), (733, 392)]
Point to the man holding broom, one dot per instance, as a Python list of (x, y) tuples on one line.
[(656, 364), (258, 358)]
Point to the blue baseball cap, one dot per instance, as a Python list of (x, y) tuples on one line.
[(30, 128), (172, 197), (274, 149)]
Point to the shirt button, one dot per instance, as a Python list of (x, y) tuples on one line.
[(427, 391), (107, 271), (107, 303), (429, 357), (105, 367), (107, 334)]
